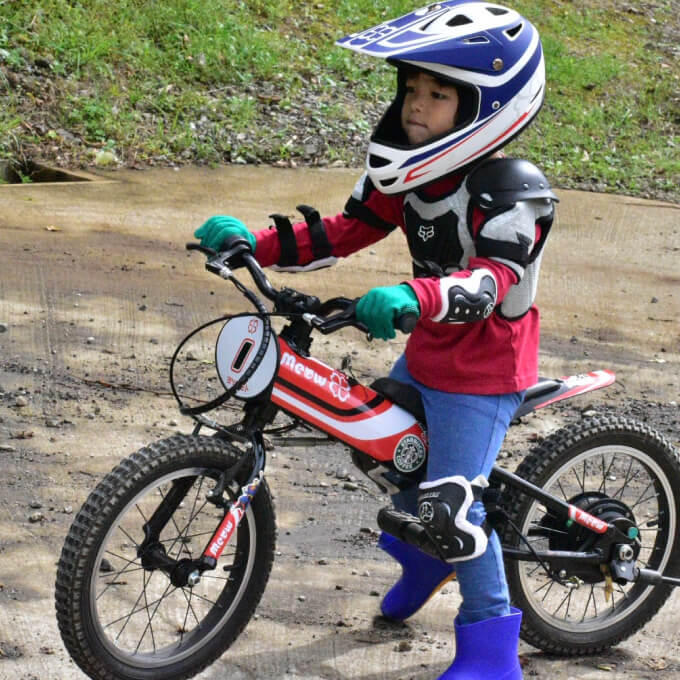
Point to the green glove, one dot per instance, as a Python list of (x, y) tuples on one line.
[(220, 227), (380, 308)]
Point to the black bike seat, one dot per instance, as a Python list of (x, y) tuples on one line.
[(401, 394)]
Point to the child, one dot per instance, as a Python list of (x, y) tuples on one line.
[(470, 76)]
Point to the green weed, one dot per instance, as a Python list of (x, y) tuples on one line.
[(183, 79)]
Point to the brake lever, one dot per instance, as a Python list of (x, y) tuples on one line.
[(209, 252), (224, 261), (216, 262), (345, 317)]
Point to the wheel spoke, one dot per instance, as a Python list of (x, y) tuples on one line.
[(149, 625), (213, 603), (186, 537), (642, 500), (550, 584), (142, 515), (125, 570), (135, 610), (603, 483), (183, 628), (578, 479), (591, 598), (611, 465), (564, 599), (181, 532), (127, 617), (168, 550), (128, 536), (562, 491), (628, 478)]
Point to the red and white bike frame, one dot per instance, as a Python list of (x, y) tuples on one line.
[(343, 408)]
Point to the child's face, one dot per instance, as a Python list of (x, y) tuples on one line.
[(429, 108)]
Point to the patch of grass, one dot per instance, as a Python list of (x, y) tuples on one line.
[(612, 112), (187, 80)]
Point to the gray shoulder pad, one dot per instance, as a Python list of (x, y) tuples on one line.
[(500, 182)]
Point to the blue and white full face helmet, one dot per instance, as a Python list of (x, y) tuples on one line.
[(490, 53)]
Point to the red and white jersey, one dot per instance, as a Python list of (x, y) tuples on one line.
[(448, 234)]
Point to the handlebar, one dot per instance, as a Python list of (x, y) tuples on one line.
[(238, 253)]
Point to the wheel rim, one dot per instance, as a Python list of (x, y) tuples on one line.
[(633, 477), (139, 616)]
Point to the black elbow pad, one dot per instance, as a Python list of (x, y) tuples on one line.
[(467, 299)]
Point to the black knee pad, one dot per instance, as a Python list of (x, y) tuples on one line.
[(442, 508)]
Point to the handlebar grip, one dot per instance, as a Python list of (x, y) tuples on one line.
[(231, 242), (406, 322)]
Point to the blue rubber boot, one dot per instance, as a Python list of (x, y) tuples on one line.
[(422, 576), (487, 650)]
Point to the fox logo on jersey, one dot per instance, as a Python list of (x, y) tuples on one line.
[(426, 232)]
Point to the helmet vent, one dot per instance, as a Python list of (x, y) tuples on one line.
[(459, 20), (513, 32), (497, 11), (478, 39), (377, 161), (388, 182)]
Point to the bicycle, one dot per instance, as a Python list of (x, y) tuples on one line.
[(167, 559)]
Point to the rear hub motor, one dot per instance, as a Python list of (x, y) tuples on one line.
[(574, 537)]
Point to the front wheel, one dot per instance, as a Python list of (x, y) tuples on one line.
[(622, 471), (120, 619)]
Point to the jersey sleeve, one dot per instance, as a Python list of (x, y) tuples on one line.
[(368, 217)]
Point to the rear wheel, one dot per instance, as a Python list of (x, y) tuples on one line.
[(623, 472), (122, 620)]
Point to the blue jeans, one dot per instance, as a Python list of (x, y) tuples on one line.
[(465, 433)]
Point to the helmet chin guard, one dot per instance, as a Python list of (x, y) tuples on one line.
[(491, 54)]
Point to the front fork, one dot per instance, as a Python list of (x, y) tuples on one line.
[(187, 572), (229, 524)]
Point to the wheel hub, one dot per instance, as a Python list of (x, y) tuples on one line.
[(185, 574), (181, 572), (576, 538)]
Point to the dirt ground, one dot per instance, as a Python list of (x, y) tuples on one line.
[(96, 290)]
